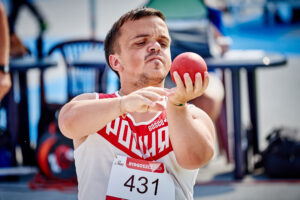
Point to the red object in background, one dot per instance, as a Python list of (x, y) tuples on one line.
[(188, 62)]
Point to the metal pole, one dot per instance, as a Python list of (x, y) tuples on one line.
[(92, 12)]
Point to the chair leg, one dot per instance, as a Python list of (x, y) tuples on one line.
[(221, 126)]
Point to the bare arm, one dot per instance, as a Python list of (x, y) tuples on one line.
[(192, 135), (4, 37), (86, 115), (5, 82), (191, 131)]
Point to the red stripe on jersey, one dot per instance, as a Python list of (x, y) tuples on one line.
[(149, 142), (113, 198)]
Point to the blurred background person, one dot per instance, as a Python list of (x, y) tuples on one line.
[(17, 47), (5, 81)]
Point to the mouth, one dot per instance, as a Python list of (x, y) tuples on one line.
[(155, 58)]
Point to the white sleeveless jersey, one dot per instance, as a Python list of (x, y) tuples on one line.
[(122, 136)]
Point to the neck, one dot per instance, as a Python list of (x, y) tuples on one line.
[(127, 90)]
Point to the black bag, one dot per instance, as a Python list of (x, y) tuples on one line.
[(6, 156), (281, 159)]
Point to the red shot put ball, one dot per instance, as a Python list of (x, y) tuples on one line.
[(188, 62)]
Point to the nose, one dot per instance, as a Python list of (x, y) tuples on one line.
[(154, 47)]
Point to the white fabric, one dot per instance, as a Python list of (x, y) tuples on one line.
[(94, 157)]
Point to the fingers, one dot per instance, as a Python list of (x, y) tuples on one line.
[(178, 80), (206, 81), (157, 90), (152, 96), (189, 86), (200, 86), (156, 107), (198, 83), (145, 99), (187, 90), (149, 104)]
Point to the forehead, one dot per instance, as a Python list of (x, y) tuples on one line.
[(152, 26)]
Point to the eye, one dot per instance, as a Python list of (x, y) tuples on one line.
[(140, 43), (163, 44)]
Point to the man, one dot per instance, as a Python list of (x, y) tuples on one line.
[(143, 120), (196, 28), (5, 82)]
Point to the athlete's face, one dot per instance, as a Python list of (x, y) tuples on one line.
[(144, 56)]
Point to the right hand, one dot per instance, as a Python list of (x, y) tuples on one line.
[(149, 99)]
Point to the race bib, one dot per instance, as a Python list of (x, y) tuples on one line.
[(135, 179)]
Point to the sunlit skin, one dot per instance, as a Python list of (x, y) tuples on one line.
[(142, 60), (144, 57), (5, 80)]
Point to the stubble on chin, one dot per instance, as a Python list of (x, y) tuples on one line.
[(145, 80)]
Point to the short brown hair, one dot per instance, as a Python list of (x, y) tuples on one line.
[(110, 44)]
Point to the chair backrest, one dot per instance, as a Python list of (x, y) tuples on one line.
[(85, 65)]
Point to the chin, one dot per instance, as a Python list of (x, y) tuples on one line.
[(159, 73), (152, 79)]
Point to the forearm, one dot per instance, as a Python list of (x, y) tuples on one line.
[(85, 115), (192, 137), (81, 118), (4, 37)]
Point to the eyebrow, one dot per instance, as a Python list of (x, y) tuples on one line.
[(140, 36), (147, 35)]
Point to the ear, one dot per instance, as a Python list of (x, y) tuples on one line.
[(115, 63)]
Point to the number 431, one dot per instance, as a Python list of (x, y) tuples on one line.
[(144, 187)]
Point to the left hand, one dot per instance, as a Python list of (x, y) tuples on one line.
[(186, 91)]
